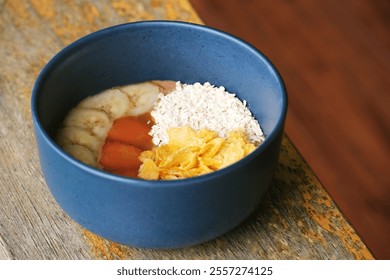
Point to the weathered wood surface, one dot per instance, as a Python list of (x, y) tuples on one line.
[(296, 220)]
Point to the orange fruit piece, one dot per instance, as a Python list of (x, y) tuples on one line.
[(117, 155), (131, 131)]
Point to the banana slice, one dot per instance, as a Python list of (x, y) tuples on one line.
[(93, 120), (142, 95), (165, 86), (79, 136), (81, 153), (86, 126), (112, 101)]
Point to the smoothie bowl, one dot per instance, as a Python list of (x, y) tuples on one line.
[(159, 134)]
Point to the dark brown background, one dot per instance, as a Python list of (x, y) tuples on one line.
[(335, 60)]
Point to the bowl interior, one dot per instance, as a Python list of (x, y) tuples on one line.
[(136, 52)]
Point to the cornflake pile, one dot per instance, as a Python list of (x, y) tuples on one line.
[(189, 153), (198, 129)]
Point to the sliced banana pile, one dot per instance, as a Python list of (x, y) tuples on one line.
[(85, 127)]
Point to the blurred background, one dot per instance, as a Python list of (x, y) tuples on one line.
[(334, 57)]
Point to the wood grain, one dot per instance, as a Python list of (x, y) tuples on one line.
[(296, 220), (335, 60)]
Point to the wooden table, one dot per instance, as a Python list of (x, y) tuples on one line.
[(296, 220)]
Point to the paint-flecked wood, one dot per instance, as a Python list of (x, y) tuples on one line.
[(296, 220)]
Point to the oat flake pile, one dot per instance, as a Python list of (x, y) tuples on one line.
[(203, 106)]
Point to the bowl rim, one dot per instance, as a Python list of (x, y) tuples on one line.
[(69, 49)]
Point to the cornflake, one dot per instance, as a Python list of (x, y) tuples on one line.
[(189, 153)]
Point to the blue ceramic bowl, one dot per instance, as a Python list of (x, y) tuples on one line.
[(158, 214)]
